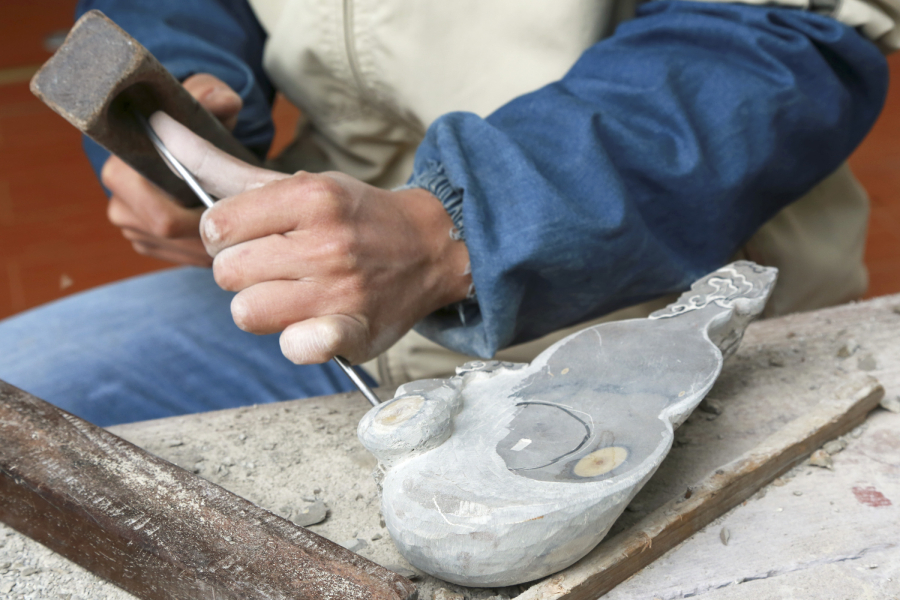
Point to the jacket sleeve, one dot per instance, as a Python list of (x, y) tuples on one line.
[(220, 37), (648, 165)]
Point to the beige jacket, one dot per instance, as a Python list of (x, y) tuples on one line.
[(371, 75)]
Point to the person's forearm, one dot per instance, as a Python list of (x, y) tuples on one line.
[(648, 165), (219, 37)]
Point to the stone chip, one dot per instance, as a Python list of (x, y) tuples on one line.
[(834, 446), (354, 544), (310, 514), (848, 348), (822, 459), (867, 362), (403, 572), (891, 404), (445, 594)]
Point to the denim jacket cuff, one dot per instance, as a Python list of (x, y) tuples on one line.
[(433, 179)]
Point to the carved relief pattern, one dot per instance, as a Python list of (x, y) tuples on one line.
[(722, 288)]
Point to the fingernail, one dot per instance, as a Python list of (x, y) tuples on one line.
[(295, 346), (308, 342), (210, 231), (239, 312)]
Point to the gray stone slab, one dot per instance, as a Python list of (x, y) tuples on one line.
[(280, 455), (819, 532)]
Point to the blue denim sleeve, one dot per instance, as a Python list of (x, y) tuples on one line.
[(220, 37), (648, 165)]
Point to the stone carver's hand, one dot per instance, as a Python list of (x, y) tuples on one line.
[(150, 218), (339, 266)]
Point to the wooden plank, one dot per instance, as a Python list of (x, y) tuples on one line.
[(155, 529), (618, 558)]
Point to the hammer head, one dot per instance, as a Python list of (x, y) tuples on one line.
[(100, 75)]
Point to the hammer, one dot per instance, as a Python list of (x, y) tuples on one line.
[(101, 76), (106, 84)]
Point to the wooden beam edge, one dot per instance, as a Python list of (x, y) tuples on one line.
[(160, 532)]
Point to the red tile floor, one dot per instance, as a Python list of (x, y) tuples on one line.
[(54, 237)]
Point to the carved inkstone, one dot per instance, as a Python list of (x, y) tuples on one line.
[(508, 472)]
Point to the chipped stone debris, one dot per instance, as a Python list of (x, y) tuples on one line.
[(711, 408), (834, 446), (891, 403), (867, 362), (821, 459), (310, 514), (445, 594), (848, 348), (354, 544), (404, 572)]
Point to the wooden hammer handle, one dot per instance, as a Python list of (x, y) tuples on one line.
[(155, 529)]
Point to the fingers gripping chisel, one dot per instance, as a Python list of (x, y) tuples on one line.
[(208, 201)]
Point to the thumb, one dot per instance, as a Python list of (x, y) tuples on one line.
[(219, 173), (216, 97), (319, 339)]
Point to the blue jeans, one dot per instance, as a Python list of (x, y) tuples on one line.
[(149, 347)]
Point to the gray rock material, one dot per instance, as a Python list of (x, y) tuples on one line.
[(834, 446), (821, 458), (511, 472), (445, 594), (891, 403), (867, 362), (310, 514)]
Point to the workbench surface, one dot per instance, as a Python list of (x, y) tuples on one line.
[(815, 533)]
